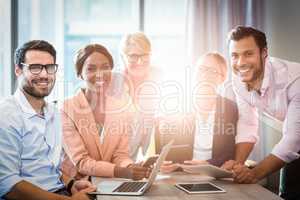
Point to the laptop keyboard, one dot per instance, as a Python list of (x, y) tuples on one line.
[(130, 187)]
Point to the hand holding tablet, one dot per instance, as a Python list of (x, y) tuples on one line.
[(207, 169)]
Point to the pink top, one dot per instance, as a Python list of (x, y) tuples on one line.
[(86, 152), (280, 98)]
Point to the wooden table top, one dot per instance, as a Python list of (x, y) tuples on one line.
[(163, 188)]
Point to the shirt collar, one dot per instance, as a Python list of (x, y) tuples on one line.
[(210, 117), (27, 108), (266, 80)]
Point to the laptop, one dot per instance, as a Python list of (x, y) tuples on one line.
[(132, 188)]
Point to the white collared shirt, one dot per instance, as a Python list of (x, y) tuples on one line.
[(204, 137), (280, 98)]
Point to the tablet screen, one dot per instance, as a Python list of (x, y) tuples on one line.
[(200, 187), (180, 153)]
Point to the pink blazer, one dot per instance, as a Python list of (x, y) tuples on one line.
[(85, 154)]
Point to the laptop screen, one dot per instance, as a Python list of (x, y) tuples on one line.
[(159, 162)]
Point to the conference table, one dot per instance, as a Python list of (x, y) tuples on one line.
[(163, 188)]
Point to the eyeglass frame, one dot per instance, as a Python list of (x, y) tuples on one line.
[(208, 69), (41, 67), (142, 57)]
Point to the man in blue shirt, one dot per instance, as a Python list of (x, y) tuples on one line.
[(30, 132)]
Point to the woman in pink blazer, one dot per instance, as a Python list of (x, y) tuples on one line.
[(94, 125)]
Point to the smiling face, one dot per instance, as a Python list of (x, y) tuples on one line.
[(211, 69), (96, 72), (247, 60), (211, 72), (136, 60), (39, 85)]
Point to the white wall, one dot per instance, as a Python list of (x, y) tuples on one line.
[(282, 22), (5, 46)]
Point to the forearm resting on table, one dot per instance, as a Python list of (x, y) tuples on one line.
[(24, 190), (122, 172), (242, 151), (267, 166)]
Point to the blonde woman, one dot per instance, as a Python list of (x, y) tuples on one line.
[(141, 81)]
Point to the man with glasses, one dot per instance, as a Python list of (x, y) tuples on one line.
[(30, 132)]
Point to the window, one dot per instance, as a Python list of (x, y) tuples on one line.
[(168, 43), (92, 21), (5, 54), (71, 24)]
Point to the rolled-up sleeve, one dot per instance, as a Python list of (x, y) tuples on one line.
[(247, 125), (9, 157), (289, 146)]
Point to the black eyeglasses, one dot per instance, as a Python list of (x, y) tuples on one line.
[(37, 68), (136, 57), (207, 69)]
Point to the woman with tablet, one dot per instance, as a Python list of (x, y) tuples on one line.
[(215, 115)]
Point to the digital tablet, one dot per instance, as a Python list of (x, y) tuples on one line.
[(208, 170), (175, 128), (180, 153), (200, 188)]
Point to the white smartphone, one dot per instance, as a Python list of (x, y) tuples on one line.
[(150, 161)]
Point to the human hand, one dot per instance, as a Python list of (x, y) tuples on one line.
[(150, 161), (242, 174), (80, 196), (228, 165), (138, 171), (168, 167), (82, 186)]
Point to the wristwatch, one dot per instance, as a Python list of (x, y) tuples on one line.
[(70, 185)]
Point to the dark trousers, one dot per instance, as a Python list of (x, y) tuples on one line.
[(290, 181)]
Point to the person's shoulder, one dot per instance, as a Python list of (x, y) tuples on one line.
[(10, 113), (71, 101), (286, 69), (280, 61), (8, 104), (226, 91), (281, 65), (293, 88)]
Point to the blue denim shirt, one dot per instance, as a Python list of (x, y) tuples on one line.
[(30, 145)]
